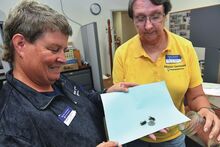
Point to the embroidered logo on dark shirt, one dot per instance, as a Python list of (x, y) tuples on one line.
[(76, 91)]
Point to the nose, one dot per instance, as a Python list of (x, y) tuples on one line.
[(61, 57), (148, 24)]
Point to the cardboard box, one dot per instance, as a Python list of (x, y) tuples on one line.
[(107, 82), (68, 67), (77, 56)]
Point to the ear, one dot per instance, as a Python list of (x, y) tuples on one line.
[(18, 41), (165, 19)]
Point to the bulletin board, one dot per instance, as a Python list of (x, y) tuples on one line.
[(180, 23), (204, 26)]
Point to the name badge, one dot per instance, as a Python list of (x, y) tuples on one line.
[(173, 59), (67, 116)]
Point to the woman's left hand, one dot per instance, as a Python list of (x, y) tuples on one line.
[(212, 123), (121, 87)]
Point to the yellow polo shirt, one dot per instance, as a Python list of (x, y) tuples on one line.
[(177, 65)]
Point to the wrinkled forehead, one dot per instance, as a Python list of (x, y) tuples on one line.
[(53, 37), (146, 7)]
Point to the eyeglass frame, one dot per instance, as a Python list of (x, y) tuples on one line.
[(145, 18)]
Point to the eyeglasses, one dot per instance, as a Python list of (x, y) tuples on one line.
[(156, 18)]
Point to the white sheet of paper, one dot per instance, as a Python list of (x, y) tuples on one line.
[(215, 101), (211, 89), (124, 112)]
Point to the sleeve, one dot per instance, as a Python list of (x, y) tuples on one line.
[(195, 71), (118, 68), (95, 98), (12, 141)]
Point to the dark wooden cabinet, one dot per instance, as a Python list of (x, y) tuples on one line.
[(82, 77)]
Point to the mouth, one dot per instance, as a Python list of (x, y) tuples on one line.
[(55, 69), (149, 33)]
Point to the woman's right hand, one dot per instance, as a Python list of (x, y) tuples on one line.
[(153, 137)]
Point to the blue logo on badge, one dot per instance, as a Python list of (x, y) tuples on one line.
[(173, 59)]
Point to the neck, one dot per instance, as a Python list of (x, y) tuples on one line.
[(155, 48), (21, 76)]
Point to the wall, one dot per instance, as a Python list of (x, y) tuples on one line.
[(128, 28), (179, 5), (79, 11), (117, 23), (123, 25)]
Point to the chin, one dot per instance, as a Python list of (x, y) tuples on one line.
[(150, 38), (52, 81), (55, 77)]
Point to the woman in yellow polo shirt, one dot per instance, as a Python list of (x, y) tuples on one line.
[(156, 54)]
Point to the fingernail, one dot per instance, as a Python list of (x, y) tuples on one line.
[(210, 136), (205, 129), (218, 139)]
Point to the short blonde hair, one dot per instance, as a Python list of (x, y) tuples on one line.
[(31, 19)]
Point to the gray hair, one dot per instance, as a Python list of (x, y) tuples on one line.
[(32, 20), (166, 4)]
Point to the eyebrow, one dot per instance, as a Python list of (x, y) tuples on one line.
[(152, 13), (55, 45)]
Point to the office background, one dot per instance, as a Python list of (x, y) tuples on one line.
[(79, 11)]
